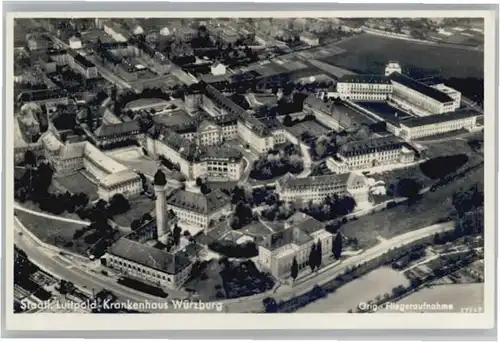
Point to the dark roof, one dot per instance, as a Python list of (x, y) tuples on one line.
[(222, 152), (363, 146), (119, 128), (80, 59), (160, 178), (149, 256), (305, 222), (293, 182), (203, 204), (375, 79), (420, 87), (432, 119)]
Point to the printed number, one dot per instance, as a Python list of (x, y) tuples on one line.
[(477, 309)]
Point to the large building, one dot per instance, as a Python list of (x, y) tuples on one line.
[(199, 210), (420, 98), (365, 154), (111, 177), (108, 134), (317, 188), (364, 87), (453, 93), (278, 250), (415, 128), (139, 255), (82, 65)]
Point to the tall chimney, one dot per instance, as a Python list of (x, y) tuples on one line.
[(160, 186)]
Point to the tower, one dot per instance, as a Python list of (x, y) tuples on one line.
[(160, 185)]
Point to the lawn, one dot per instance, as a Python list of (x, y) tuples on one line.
[(138, 207), (369, 54), (363, 289), (432, 207), (77, 182), (54, 232)]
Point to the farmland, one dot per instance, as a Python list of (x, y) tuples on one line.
[(369, 54)]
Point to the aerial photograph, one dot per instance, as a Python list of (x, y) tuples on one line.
[(248, 165)]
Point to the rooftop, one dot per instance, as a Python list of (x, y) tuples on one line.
[(290, 181), (432, 119), (370, 79), (122, 128), (202, 204), (118, 177), (420, 87), (362, 146), (150, 256)]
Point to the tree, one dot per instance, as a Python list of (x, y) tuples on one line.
[(135, 224), (29, 158), (118, 204), (409, 187), (177, 235), (146, 217), (319, 254), (287, 121), (312, 257), (295, 269), (337, 246), (199, 182)]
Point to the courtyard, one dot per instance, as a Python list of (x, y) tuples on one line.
[(76, 183)]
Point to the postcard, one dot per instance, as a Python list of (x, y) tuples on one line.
[(250, 170)]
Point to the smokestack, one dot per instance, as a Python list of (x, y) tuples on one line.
[(160, 186)]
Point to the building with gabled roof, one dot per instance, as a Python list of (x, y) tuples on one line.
[(278, 250), (197, 209), (368, 153), (139, 255), (316, 188), (107, 134)]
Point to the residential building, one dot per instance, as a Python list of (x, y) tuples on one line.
[(364, 87), (199, 210), (408, 92), (317, 188), (365, 154), (309, 38), (278, 250), (28, 119), (82, 65)]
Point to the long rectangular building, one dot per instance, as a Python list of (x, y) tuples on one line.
[(364, 154), (364, 87), (407, 91), (317, 188)]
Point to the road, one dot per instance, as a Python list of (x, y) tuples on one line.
[(52, 217), (307, 160), (54, 264), (252, 305)]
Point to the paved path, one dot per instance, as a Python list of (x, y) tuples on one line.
[(49, 216)]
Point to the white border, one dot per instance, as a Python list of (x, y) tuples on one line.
[(73, 322)]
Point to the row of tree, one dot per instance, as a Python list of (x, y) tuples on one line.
[(316, 256)]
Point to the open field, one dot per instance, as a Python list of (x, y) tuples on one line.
[(146, 102), (77, 182), (173, 118), (433, 206), (458, 295), (54, 232), (363, 289), (369, 54), (138, 207), (312, 127)]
